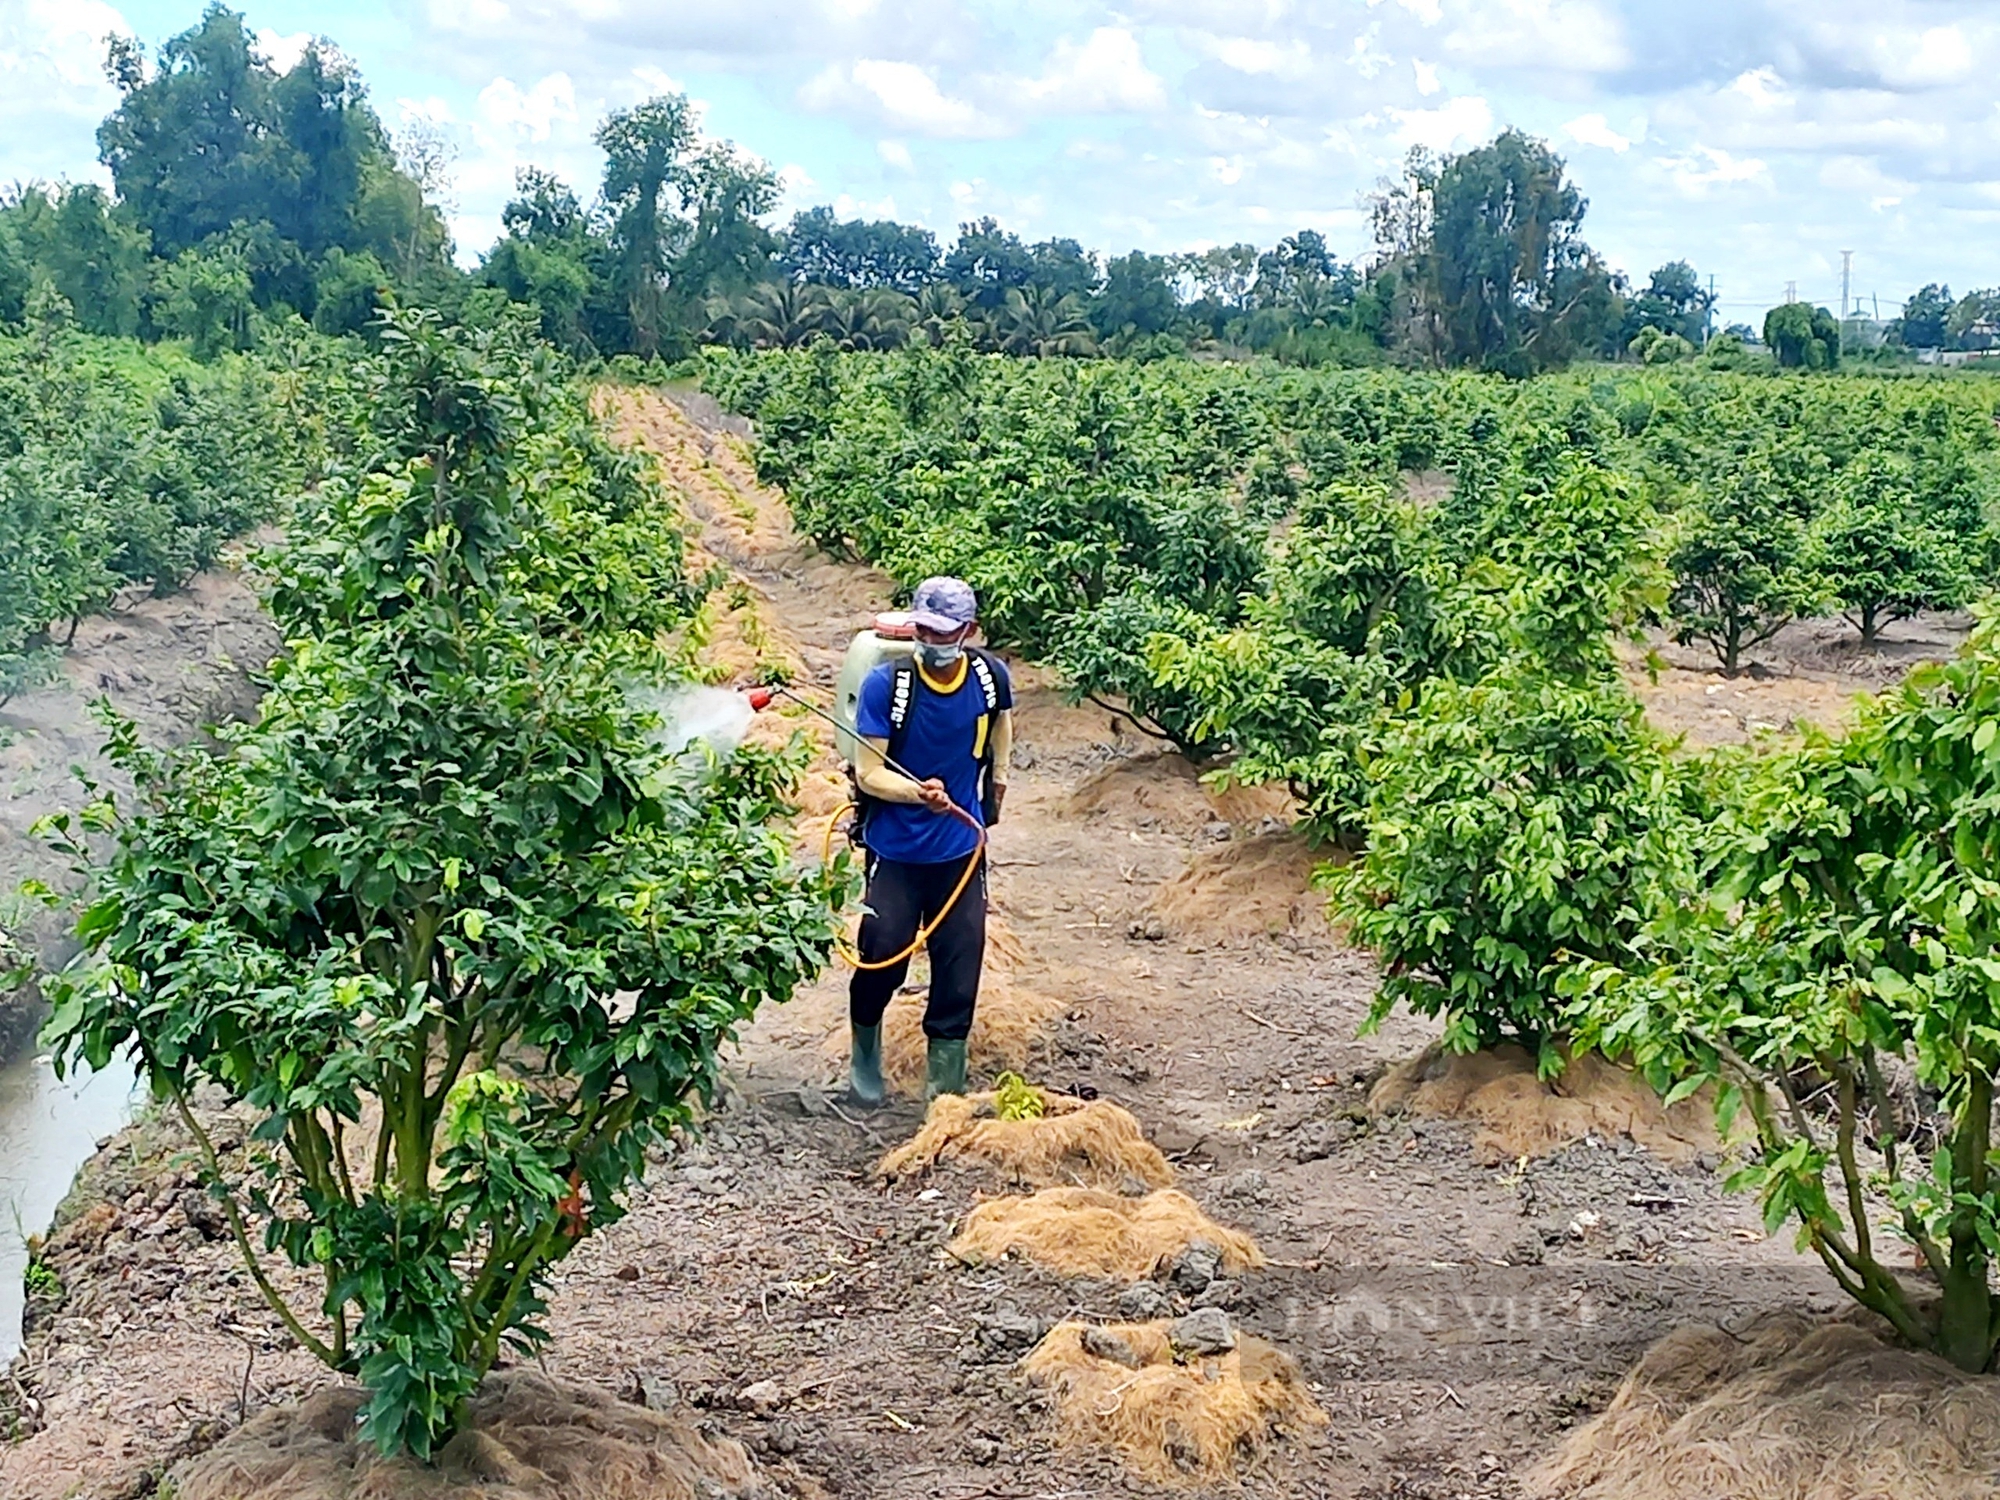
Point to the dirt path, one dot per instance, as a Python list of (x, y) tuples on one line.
[(1452, 1317)]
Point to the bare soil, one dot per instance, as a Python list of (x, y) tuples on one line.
[(173, 665), (1453, 1317)]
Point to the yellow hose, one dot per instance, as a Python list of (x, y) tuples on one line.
[(852, 958)]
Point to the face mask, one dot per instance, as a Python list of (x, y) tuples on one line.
[(936, 656)]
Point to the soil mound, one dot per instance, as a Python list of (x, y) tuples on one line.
[(1791, 1411), (1089, 1232), (1008, 1023), (1165, 790), (1093, 1144), (1520, 1115), (529, 1438), (1246, 888), (1120, 1387)]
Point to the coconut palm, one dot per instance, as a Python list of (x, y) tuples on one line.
[(778, 315), (937, 309), (874, 319), (1034, 320)]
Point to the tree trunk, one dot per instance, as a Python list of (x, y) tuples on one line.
[(1965, 1313), (1870, 624)]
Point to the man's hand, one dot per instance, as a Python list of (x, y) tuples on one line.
[(934, 796)]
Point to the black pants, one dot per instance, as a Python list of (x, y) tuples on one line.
[(900, 898)]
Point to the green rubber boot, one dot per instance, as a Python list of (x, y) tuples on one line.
[(944, 1068), (864, 1065)]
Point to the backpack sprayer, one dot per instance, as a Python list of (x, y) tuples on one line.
[(891, 637)]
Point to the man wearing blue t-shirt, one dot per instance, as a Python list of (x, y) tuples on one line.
[(948, 720)]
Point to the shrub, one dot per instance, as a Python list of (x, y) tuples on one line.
[(1843, 926), (448, 880), (1511, 823)]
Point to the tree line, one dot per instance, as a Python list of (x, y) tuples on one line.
[(243, 196)]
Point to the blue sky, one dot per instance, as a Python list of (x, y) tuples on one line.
[(1756, 138)]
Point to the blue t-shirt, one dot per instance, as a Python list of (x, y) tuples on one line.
[(941, 739)]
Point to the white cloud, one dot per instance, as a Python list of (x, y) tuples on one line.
[(1107, 73), (1366, 56), (896, 154), (1430, 12), (1762, 87), (474, 16), (901, 93), (1708, 167), (1595, 130), (1936, 57), (1564, 36), (1427, 77), (847, 206), (1228, 170), (1464, 121), (657, 80), (531, 114), (283, 52), (51, 71), (1292, 58), (1862, 178)]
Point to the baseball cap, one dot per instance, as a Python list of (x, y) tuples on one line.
[(944, 604)]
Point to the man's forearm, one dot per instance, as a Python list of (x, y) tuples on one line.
[(1003, 746), (872, 773)]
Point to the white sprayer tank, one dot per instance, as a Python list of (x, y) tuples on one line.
[(892, 637)]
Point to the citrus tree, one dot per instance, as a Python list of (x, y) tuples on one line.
[(1845, 920), (446, 915), (1739, 567), (1520, 816)]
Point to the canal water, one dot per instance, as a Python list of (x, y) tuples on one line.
[(49, 1127)]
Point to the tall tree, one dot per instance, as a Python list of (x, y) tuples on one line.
[(1925, 317), (1137, 296), (684, 218), (1674, 302), (1488, 259), (646, 150), (822, 249), (1802, 336), (987, 262), (215, 143), (1510, 262), (87, 248)]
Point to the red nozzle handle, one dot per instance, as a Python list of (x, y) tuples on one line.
[(760, 697)]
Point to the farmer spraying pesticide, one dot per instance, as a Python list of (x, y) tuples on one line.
[(934, 727)]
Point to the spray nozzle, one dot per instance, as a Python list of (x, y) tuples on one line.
[(759, 698)]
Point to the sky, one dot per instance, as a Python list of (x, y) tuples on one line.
[(1757, 139)]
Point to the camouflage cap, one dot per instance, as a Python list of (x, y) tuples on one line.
[(944, 604)]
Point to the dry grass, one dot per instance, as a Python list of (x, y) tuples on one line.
[(529, 1438), (1171, 1422), (1090, 1232), (1519, 1115), (1246, 888), (1094, 1144), (1164, 788), (1792, 1410)]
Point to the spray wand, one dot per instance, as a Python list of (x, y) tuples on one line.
[(760, 698)]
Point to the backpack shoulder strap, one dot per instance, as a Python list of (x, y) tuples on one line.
[(902, 691), (989, 686)]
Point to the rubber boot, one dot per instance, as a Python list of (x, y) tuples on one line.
[(864, 1065), (944, 1068)]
